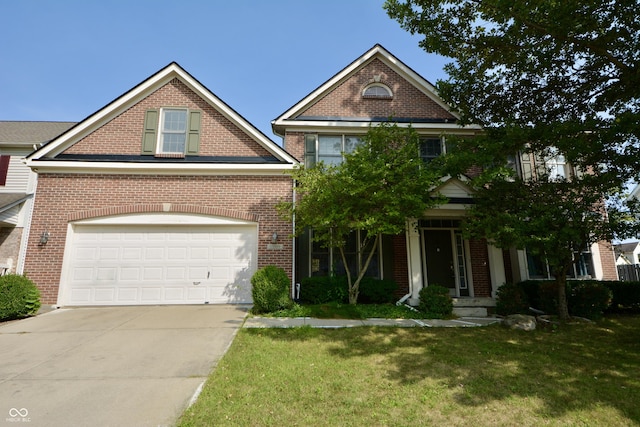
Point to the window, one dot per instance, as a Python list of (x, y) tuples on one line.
[(555, 165), (377, 90), (538, 268), (552, 165), (4, 169), (430, 148), (329, 149), (326, 261), (171, 132)]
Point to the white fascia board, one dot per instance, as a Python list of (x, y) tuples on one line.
[(237, 119), (136, 94), (157, 169), (394, 63), (324, 126)]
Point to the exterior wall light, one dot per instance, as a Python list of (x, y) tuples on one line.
[(44, 238)]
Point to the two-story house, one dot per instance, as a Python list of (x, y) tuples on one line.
[(377, 87), (17, 186), (167, 195)]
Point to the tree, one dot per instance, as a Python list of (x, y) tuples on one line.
[(375, 190), (556, 80)]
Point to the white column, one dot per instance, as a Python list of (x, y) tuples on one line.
[(496, 268), (414, 261)]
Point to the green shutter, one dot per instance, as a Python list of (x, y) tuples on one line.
[(193, 136), (527, 166), (310, 150), (150, 136)]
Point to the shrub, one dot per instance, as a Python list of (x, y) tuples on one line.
[(323, 289), (511, 299), (270, 290), (435, 302), (377, 291), (19, 297), (588, 299), (625, 295)]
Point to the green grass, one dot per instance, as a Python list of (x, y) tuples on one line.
[(575, 375), (335, 310)]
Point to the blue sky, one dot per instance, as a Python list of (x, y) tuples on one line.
[(63, 60)]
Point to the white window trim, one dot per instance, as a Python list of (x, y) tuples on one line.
[(161, 131), (386, 88), (342, 147)]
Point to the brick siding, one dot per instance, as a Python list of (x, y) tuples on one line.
[(346, 99), (480, 267), (400, 264), (607, 258), (62, 198), (123, 134)]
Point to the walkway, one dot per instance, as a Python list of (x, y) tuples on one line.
[(292, 322)]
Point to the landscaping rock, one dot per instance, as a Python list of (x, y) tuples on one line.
[(520, 321)]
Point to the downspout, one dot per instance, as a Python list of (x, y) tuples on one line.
[(295, 288)]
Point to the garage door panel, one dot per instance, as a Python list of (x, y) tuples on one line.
[(116, 264), (130, 273), (127, 295)]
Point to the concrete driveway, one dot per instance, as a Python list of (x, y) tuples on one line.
[(110, 366)]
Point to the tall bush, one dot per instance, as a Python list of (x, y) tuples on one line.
[(435, 302), (323, 289), (19, 297), (377, 291), (270, 290), (511, 299), (589, 299)]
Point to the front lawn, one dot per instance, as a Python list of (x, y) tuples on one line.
[(575, 375), (336, 310)]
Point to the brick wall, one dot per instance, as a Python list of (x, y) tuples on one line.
[(400, 264), (346, 99), (480, 268), (123, 134), (62, 198), (607, 258)]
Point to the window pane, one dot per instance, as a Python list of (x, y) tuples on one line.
[(430, 149), (351, 143), (330, 145), (173, 142), (330, 149), (175, 121)]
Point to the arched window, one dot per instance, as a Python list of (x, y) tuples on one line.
[(377, 90)]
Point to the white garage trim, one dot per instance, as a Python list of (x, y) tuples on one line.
[(158, 259)]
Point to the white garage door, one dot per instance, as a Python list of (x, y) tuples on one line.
[(159, 264)]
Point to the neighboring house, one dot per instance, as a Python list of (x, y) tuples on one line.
[(17, 186), (329, 121), (164, 196), (627, 253)]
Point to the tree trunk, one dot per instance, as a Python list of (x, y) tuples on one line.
[(354, 288), (563, 306)]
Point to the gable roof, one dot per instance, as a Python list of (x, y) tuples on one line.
[(376, 52), (625, 247), (45, 157), (28, 133)]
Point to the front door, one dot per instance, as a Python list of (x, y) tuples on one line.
[(438, 249)]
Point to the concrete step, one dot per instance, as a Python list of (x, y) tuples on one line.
[(470, 311), (473, 302)]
